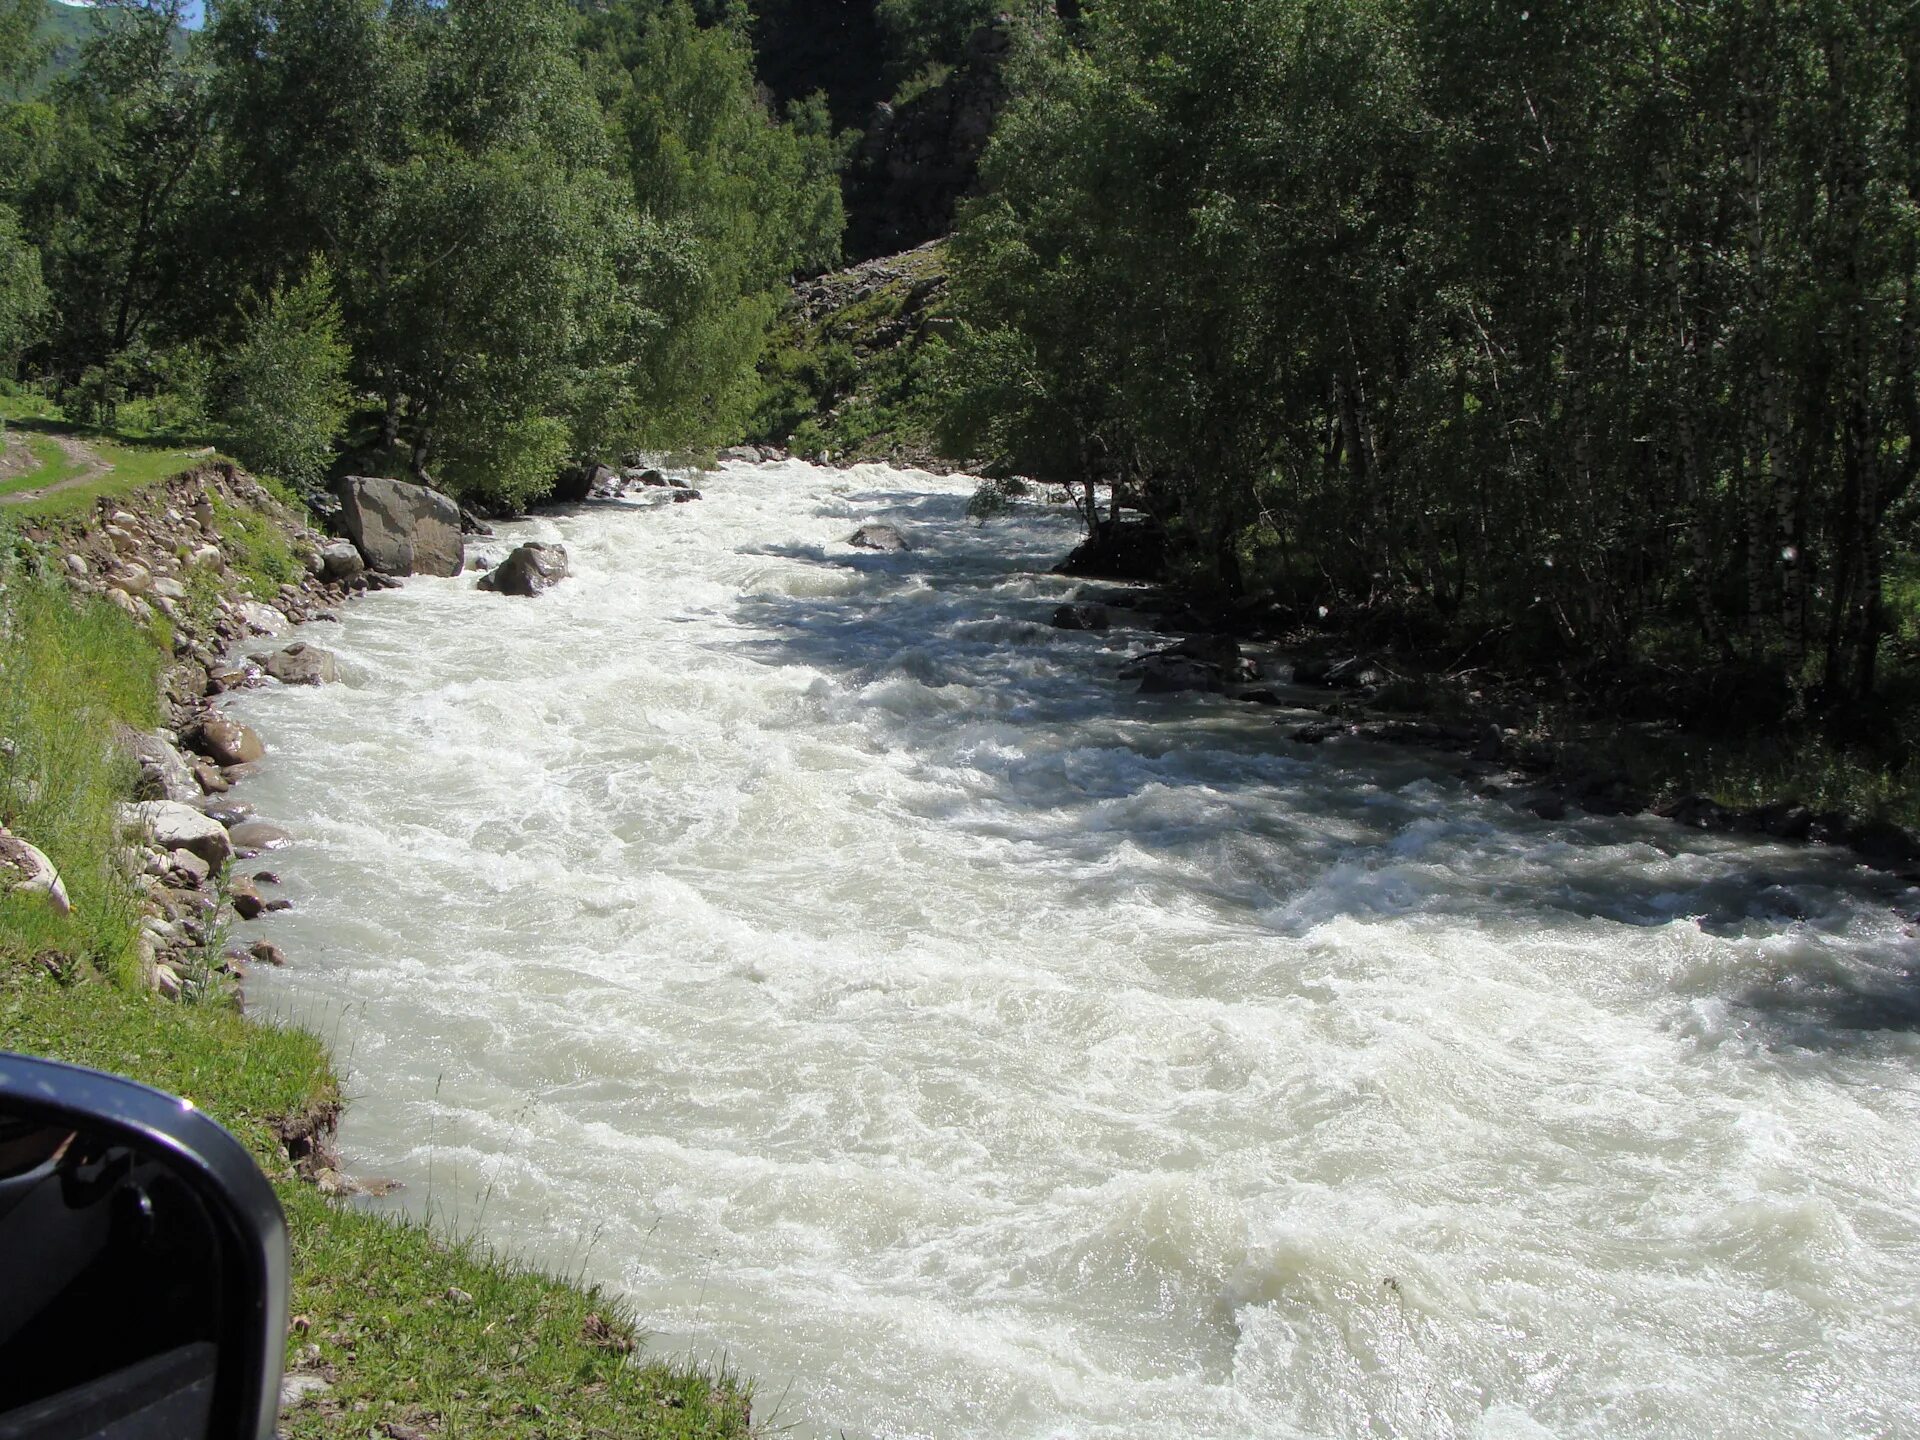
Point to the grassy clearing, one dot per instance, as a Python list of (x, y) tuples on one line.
[(51, 467), (138, 456)]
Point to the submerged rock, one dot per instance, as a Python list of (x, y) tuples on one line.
[(879, 537), (528, 571), (1081, 617)]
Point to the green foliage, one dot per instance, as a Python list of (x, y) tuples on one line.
[(69, 672), (285, 389), (921, 33), (256, 548), (23, 295), (732, 203), (1567, 320)]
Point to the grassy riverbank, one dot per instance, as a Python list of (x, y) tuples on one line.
[(411, 1333)]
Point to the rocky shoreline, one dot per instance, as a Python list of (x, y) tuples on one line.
[(1501, 762)]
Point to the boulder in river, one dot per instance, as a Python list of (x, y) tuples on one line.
[(528, 571), (879, 536), (1081, 617), (302, 664), (258, 835), (400, 528), (339, 561), (226, 741)]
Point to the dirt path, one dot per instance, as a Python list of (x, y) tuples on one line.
[(77, 451)]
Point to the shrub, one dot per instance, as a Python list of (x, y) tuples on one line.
[(286, 391)]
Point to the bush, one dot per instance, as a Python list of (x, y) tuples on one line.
[(286, 391)]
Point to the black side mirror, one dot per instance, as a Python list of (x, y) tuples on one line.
[(143, 1265)]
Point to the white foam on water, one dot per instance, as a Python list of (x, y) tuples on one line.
[(823, 951)]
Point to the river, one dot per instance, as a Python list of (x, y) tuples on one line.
[(823, 952)]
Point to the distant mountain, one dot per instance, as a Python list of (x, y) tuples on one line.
[(68, 28)]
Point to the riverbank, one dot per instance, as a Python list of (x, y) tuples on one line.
[(120, 636)]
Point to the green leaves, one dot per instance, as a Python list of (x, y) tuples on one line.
[(286, 389)]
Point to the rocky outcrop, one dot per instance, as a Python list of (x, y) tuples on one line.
[(530, 570), (918, 158), (882, 537), (401, 528)]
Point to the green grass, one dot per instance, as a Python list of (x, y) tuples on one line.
[(138, 457), (256, 548), (51, 467), (69, 672)]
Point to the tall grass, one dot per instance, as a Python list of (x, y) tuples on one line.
[(70, 671)]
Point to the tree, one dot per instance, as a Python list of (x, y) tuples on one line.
[(23, 296), (286, 394)]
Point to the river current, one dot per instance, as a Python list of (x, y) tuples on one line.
[(846, 967)]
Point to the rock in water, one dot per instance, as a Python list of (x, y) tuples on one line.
[(25, 868), (879, 537), (303, 664), (528, 571), (1081, 617), (402, 529), (227, 742)]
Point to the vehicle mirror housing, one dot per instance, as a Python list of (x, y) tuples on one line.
[(143, 1265)]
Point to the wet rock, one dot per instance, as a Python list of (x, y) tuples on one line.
[(1318, 733), (1166, 673), (1782, 821), (1261, 697), (1082, 617), (267, 953), (261, 619), (682, 495), (1697, 812), (339, 561), (652, 478), (25, 869), (741, 455), (529, 571), (1883, 843), (257, 835), (303, 664), (179, 827), (1546, 805), (887, 538), (401, 529), (227, 812), (226, 741)]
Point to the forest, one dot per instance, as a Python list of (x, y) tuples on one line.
[(1568, 334)]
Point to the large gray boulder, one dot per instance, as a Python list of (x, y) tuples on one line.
[(180, 827), (402, 529), (529, 570), (340, 561)]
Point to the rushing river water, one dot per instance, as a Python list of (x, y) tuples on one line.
[(819, 949)]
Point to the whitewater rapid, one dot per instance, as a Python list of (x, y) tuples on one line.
[(820, 950)]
